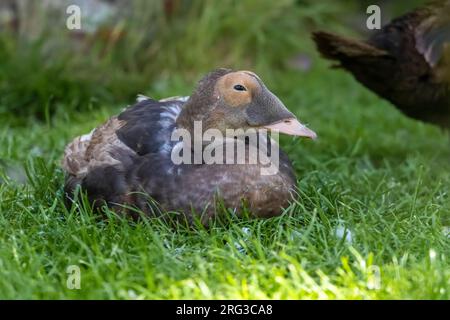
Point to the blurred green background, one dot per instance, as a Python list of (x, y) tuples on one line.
[(128, 47)]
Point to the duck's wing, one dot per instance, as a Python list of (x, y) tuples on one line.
[(140, 129), (147, 126)]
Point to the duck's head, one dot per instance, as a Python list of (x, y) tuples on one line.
[(227, 99)]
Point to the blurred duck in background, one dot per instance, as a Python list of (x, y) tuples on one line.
[(407, 62)]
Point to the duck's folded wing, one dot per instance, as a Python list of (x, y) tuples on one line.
[(101, 147), (103, 162), (147, 126), (140, 129)]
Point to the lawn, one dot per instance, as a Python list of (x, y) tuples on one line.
[(371, 219)]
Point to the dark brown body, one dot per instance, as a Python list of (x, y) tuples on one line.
[(392, 65)]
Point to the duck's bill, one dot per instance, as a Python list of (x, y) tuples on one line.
[(292, 127)]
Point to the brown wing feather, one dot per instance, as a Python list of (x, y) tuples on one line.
[(74, 161), (95, 149)]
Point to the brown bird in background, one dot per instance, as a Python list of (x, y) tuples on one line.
[(406, 62)]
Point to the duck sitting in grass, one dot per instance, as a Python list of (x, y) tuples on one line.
[(166, 156)]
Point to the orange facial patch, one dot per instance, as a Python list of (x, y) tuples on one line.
[(235, 98)]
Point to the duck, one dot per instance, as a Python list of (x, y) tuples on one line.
[(407, 62), (131, 163)]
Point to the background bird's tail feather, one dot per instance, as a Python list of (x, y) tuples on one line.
[(336, 47)]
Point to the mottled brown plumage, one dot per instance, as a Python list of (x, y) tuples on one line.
[(127, 162), (407, 62)]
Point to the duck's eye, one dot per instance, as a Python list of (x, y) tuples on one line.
[(239, 87)]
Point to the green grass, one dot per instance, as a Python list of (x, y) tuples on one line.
[(382, 177), (372, 216)]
